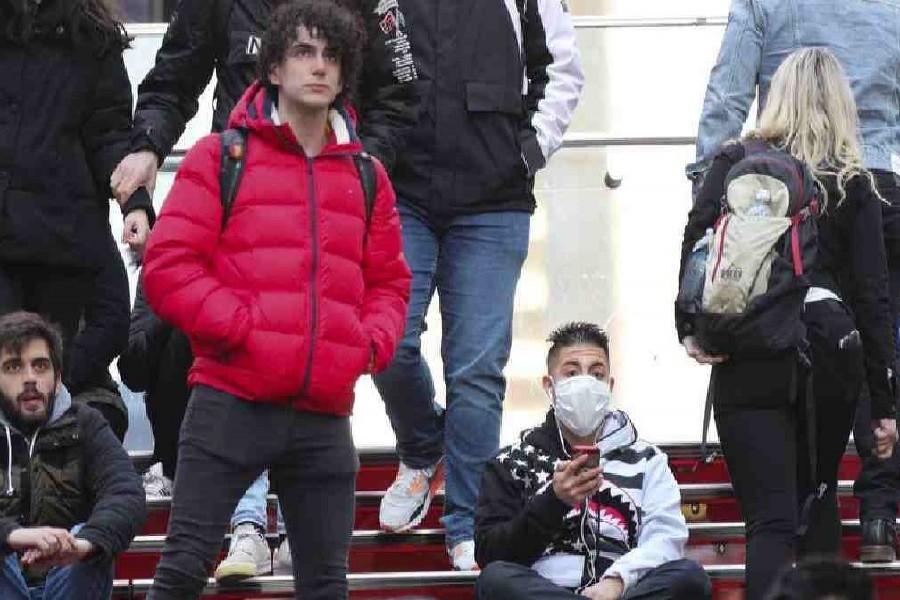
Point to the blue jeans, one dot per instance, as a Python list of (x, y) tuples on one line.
[(474, 264), (88, 581), (252, 506)]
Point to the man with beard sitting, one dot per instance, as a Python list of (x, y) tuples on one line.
[(70, 499)]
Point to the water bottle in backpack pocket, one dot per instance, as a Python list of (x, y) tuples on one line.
[(690, 292)]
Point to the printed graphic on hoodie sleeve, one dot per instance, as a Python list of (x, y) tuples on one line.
[(396, 40)]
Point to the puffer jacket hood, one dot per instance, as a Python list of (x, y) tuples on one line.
[(294, 298), (256, 111)]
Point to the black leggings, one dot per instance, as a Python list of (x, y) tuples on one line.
[(766, 449)]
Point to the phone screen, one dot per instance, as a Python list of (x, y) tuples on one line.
[(593, 453)]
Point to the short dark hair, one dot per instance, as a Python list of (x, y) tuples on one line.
[(575, 333), (339, 27), (821, 577), (20, 327)]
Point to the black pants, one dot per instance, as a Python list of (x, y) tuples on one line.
[(878, 485), (675, 580), (767, 449), (225, 444), (168, 400)]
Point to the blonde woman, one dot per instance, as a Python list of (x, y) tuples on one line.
[(762, 420)]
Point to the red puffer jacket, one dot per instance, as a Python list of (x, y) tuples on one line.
[(287, 305)]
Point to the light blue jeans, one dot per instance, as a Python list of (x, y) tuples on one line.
[(82, 580), (474, 264), (252, 507)]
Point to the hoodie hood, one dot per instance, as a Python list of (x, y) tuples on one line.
[(617, 432), (61, 404), (256, 109)]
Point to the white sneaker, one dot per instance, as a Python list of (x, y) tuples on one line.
[(406, 502), (462, 555), (282, 563), (248, 555), (157, 484)]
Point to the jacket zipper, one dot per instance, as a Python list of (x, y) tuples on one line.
[(314, 268)]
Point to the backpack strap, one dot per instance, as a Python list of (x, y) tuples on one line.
[(706, 456), (366, 171), (231, 168)]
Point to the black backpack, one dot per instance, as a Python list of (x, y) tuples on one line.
[(234, 157), (747, 280)]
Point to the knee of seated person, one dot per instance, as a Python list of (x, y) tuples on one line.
[(692, 582), (494, 581)]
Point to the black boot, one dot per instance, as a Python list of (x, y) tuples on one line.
[(879, 537)]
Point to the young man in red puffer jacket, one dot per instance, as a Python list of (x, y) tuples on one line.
[(286, 305)]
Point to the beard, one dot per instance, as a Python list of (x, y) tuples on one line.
[(29, 410)]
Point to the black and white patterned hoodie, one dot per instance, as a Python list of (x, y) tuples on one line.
[(632, 524)]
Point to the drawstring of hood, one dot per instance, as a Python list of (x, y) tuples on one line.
[(9, 452)]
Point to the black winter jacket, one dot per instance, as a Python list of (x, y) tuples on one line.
[(78, 472), (104, 330), (481, 136), (224, 35), (851, 262), (65, 124)]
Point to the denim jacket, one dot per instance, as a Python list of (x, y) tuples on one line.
[(863, 34)]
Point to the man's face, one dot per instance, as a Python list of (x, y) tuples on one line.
[(580, 359), (310, 72), (28, 383)]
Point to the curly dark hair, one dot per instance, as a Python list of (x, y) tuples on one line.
[(92, 25), (575, 333), (324, 19)]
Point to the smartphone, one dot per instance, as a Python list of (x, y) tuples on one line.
[(593, 453)]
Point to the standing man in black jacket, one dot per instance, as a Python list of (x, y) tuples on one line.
[(501, 80), (223, 36), (71, 499)]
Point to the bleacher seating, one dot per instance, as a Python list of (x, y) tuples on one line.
[(415, 565)]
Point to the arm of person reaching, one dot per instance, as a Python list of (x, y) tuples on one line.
[(107, 128), (119, 505), (663, 532), (177, 275), (147, 335), (732, 83), (385, 274), (508, 528), (168, 95), (869, 297), (555, 79), (388, 100)]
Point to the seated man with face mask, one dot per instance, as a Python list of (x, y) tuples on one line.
[(554, 523)]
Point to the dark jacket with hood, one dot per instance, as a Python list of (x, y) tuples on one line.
[(632, 525), (224, 36), (66, 123), (71, 470)]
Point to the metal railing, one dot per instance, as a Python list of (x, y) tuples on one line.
[(139, 30)]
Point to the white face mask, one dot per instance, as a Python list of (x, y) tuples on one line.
[(580, 403)]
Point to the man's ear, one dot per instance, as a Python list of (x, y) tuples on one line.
[(274, 77), (546, 383), (612, 383)]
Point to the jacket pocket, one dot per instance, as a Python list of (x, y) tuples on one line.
[(495, 116), (493, 97)]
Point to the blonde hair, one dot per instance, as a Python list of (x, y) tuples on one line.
[(811, 114)]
